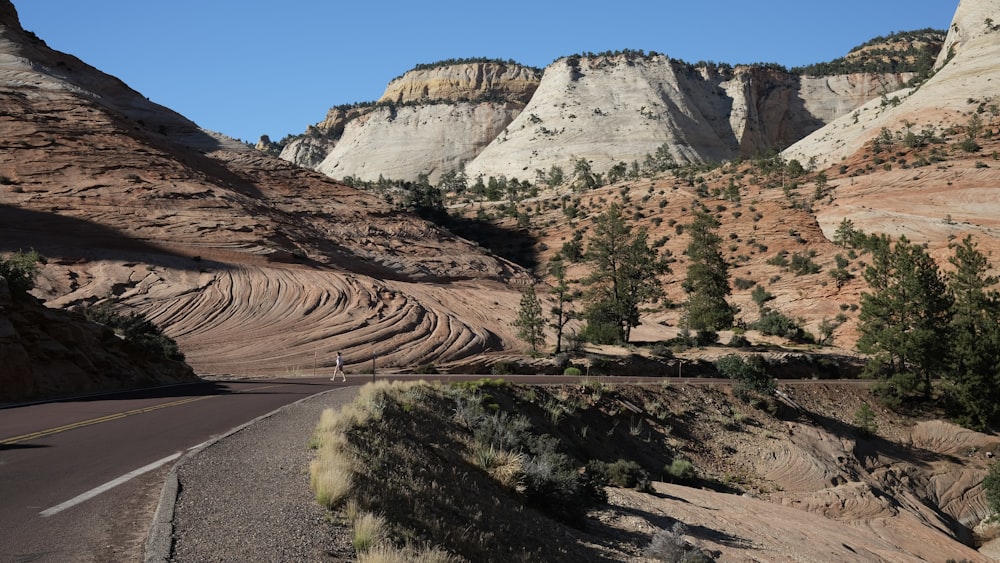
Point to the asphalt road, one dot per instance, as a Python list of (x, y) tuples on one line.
[(79, 478)]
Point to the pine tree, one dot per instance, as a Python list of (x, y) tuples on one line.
[(904, 320), (975, 337), (625, 275), (707, 281), (530, 322), (560, 312)]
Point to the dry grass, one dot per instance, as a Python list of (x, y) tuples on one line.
[(390, 554), (369, 531)]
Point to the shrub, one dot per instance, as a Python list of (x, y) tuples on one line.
[(136, 330), (369, 531), (502, 367), (738, 341), (572, 371), (774, 323), (621, 473), (670, 546), (20, 270), (426, 369), (681, 469), (864, 419), (991, 484), (749, 373)]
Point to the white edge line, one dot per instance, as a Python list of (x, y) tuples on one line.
[(107, 486)]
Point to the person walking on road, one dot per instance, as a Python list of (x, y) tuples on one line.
[(338, 367)]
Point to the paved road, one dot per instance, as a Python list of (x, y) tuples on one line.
[(61, 462), (80, 478)]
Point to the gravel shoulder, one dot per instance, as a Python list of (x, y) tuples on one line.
[(246, 495)]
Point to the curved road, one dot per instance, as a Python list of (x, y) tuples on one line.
[(80, 477)]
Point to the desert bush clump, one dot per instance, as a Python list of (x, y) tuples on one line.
[(620, 473), (20, 270), (681, 469), (750, 374), (670, 546), (369, 530), (864, 419), (136, 330), (503, 367), (991, 484), (572, 371)]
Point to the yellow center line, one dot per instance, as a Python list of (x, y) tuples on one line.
[(98, 420), (115, 416)]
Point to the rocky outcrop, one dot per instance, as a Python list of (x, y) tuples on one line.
[(606, 109), (973, 19), (48, 353), (402, 142), (506, 81), (622, 108), (308, 150), (970, 51)]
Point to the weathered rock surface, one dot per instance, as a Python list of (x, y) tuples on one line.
[(622, 108), (701, 114), (469, 81), (220, 244), (930, 204), (48, 353), (405, 141)]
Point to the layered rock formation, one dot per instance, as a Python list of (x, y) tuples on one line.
[(605, 109), (220, 244), (613, 109), (930, 204), (48, 352), (462, 81)]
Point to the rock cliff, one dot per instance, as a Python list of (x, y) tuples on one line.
[(402, 142), (502, 119), (464, 81)]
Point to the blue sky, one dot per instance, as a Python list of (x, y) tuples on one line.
[(249, 67)]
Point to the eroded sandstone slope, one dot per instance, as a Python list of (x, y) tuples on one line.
[(254, 265)]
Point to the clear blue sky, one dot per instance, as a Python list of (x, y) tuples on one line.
[(250, 67)]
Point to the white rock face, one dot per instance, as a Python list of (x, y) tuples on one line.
[(460, 82), (403, 142), (307, 151), (604, 109), (618, 109), (972, 73), (973, 19)]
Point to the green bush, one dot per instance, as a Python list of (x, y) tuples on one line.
[(502, 367), (991, 485), (621, 473), (572, 371), (136, 330), (774, 323), (681, 469), (426, 369), (749, 373), (20, 270)]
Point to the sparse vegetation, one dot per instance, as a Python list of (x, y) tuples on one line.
[(20, 270), (138, 331)]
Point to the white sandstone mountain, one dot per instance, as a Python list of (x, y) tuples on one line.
[(502, 119)]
